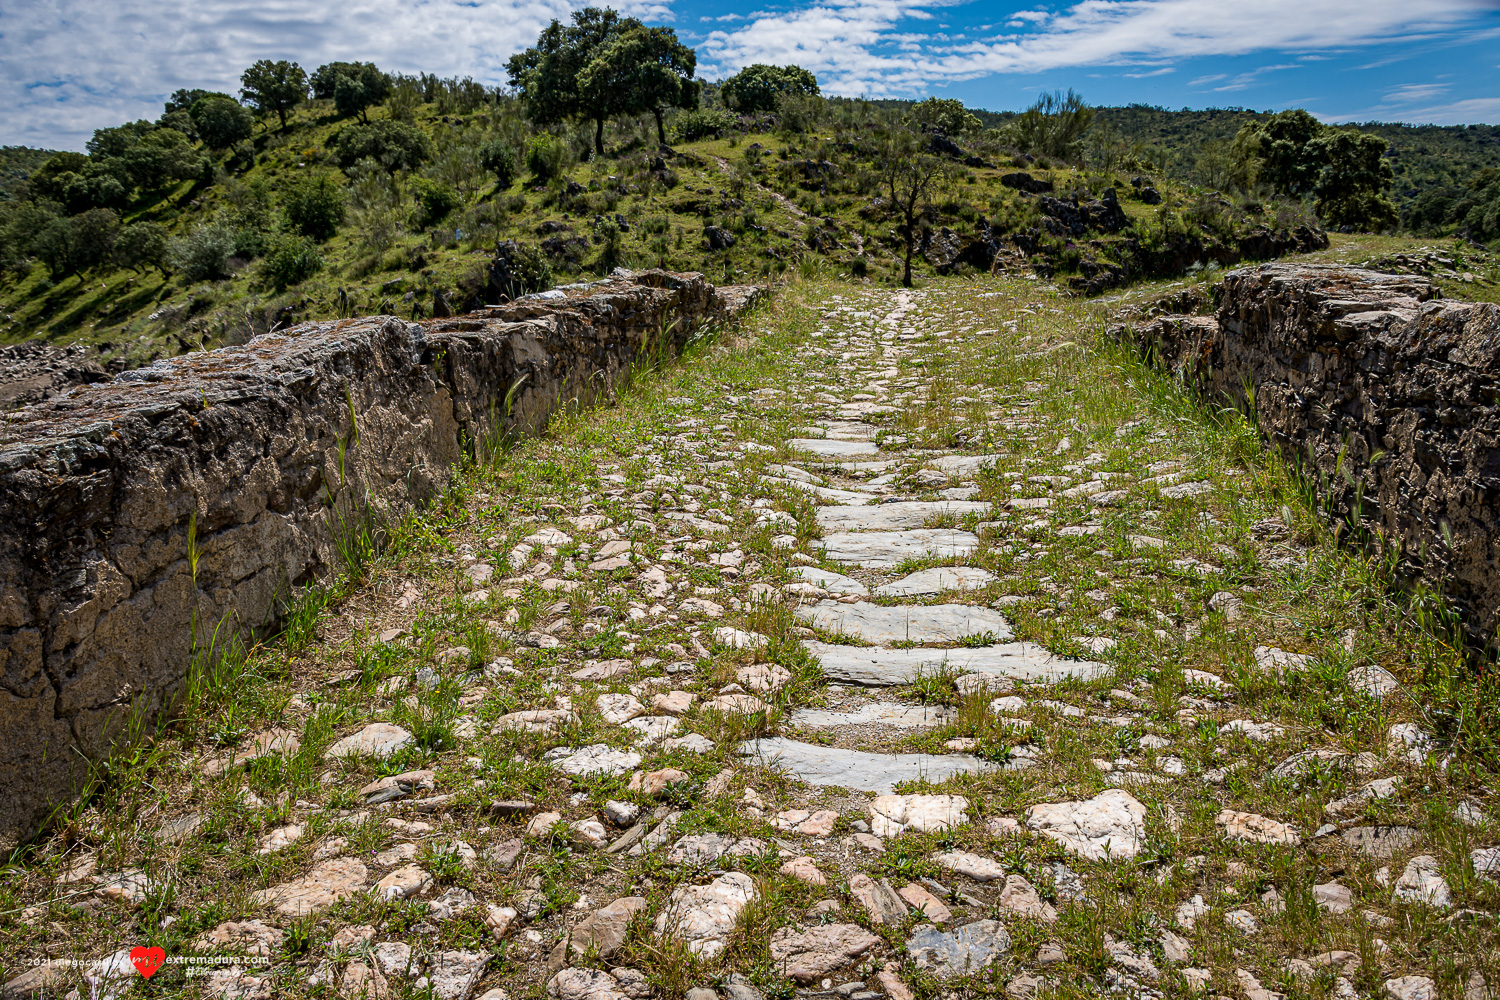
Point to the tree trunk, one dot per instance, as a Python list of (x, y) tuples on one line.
[(661, 132), (281, 113), (911, 242), (599, 136)]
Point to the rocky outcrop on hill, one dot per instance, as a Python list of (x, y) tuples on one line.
[(33, 371), (1381, 390), (198, 490)]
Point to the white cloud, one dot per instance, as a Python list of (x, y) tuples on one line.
[(1476, 109), (1416, 93), (846, 42), (68, 67)]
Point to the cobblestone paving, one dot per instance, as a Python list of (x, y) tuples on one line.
[(899, 644)]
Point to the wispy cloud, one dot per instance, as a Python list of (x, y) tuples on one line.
[(1474, 109), (847, 42), (1417, 93)]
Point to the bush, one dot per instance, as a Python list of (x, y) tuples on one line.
[(499, 158), (394, 145), (690, 126), (435, 200), (203, 253), (546, 158), (289, 260), (519, 269), (314, 207)]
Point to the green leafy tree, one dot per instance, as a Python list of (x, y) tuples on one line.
[(161, 158), (1054, 126), (220, 120), (1284, 147), (358, 89), (274, 87), (141, 245), (648, 65), (394, 145), (548, 74), (182, 100), (326, 77), (755, 88), (314, 207), (1354, 182), (944, 115), (911, 177), (68, 246)]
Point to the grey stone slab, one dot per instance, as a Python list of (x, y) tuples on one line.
[(834, 583), (895, 516), (867, 772), (827, 448), (849, 430), (884, 549), (964, 465), (906, 623), (935, 581), (825, 493), (878, 713), (875, 667)]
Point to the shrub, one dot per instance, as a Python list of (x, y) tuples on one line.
[(499, 158), (290, 259), (394, 145), (520, 268), (435, 200), (546, 158), (690, 126), (203, 253), (314, 207)]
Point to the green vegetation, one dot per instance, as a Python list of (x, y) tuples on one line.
[(157, 238)]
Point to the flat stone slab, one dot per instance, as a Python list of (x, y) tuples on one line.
[(834, 583), (825, 493), (963, 465), (884, 549), (830, 448), (868, 772), (894, 516), (874, 667), (914, 623), (935, 581), (879, 713)]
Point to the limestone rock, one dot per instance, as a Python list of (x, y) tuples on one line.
[(977, 868), (878, 898), (597, 759), (1021, 898), (379, 739), (1411, 988), (1422, 882), (325, 885), (893, 815), (804, 869), (603, 931), (961, 952), (1111, 824), (403, 883), (1256, 829), (703, 915), (806, 956)]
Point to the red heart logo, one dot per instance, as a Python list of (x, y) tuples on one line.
[(147, 960)]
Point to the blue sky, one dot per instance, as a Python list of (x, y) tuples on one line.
[(70, 66)]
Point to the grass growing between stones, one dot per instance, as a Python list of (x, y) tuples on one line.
[(617, 589)]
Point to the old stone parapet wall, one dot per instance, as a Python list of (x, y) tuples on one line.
[(242, 450), (1383, 390)]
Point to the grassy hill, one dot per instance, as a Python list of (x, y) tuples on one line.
[(414, 242)]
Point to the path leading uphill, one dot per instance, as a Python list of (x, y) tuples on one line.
[(899, 644)]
